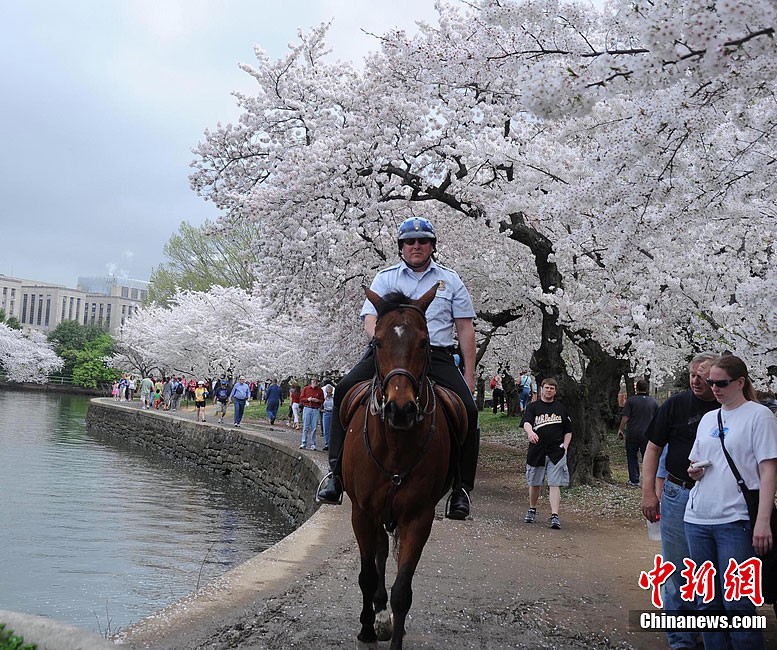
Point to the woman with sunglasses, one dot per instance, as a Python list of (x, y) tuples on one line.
[(716, 520)]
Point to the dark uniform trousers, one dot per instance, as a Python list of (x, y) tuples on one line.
[(442, 371)]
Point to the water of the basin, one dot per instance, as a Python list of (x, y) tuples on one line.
[(101, 536)]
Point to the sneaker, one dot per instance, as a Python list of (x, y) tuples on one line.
[(326, 447), (302, 446), (554, 522), (313, 448), (633, 483), (531, 515)]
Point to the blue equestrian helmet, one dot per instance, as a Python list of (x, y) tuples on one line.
[(416, 228)]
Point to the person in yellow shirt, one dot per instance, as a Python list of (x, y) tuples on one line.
[(200, 395)]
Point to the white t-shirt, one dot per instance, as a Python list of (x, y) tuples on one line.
[(750, 432)]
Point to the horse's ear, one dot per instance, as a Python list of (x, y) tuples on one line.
[(373, 297), (424, 301)]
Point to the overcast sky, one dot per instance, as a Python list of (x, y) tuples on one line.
[(102, 101)]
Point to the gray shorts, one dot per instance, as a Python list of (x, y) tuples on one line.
[(557, 473), (221, 407)]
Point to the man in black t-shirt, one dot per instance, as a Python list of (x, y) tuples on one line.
[(675, 425), (550, 431)]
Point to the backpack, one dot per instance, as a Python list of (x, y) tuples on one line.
[(493, 383), (179, 389)]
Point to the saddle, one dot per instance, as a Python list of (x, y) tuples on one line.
[(449, 403)]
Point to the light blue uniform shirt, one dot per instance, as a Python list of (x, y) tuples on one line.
[(452, 299), (241, 391)]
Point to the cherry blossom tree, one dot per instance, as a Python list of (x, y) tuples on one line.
[(26, 356), (227, 330), (602, 181)]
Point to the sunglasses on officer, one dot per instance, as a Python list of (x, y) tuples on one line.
[(413, 242)]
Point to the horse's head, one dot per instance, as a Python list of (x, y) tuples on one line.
[(401, 348)]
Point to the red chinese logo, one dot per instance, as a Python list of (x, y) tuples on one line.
[(655, 578), (701, 582), (743, 581), (740, 580)]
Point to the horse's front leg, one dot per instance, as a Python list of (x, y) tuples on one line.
[(382, 616), (413, 536), (367, 534)]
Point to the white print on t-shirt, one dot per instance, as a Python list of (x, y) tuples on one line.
[(544, 419)]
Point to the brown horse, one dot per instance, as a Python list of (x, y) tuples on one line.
[(396, 460)]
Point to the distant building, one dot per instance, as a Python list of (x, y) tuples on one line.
[(104, 301)]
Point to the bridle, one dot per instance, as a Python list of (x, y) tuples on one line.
[(380, 383)]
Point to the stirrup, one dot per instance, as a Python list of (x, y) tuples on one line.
[(450, 496), (321, 485)]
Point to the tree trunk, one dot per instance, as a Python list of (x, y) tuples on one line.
[(480, 399), (512, 403), (589, 402)]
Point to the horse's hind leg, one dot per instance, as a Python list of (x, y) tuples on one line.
[(383, 627), (367, 535), (413, 538)]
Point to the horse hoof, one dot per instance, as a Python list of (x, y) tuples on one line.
[(365, 645), (384, 629)]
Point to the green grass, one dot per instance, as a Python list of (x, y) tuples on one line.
[(257, 410), (10, 641)]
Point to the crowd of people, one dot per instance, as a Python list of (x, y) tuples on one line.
[(165, 393)]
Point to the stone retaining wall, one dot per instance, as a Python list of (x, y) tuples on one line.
[(282, 474)]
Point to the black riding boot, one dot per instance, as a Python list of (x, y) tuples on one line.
[(458, 504), (332, 492), (459, 501)]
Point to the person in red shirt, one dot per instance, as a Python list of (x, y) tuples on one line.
[(191, 388), (294, 393), (311, 398)]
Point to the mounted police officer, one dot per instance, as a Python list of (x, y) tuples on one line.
[(451, 309)]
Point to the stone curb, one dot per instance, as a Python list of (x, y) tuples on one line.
[(48, 634)]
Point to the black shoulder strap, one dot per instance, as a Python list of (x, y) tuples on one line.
[(740, 481)]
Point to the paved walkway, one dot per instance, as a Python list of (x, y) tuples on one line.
[(492, 582)]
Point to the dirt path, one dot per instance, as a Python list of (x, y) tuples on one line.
[(492, 583)]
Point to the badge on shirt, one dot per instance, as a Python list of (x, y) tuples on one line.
[(440, 285)]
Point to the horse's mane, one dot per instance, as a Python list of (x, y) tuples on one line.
[(391, 301)]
